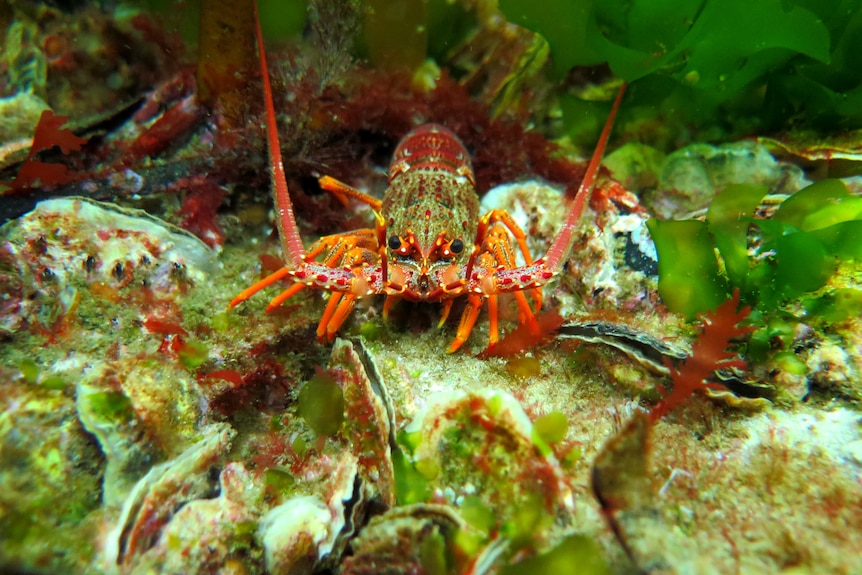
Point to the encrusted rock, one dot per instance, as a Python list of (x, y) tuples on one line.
[(160, 494)]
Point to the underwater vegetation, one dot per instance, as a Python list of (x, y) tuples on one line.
[(682, 396), (787, 267), (761, 66)]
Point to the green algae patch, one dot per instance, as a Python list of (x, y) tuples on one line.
[(819, 206), (111, 406), (29, 370), (54, 382), (221, 322), (411, 486), (575, 554), (278, 480), (371, 330), (840, 305), (300, 446), (526, 521), (433, 554), (477, 514), (193, 354), (798, 251), (728, 221), (549, 429), (321, 405), (524, 367), (689, 281)]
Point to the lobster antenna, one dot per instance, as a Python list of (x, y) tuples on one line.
[(288, 232), (562, 245)]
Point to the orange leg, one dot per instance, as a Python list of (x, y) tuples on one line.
[(341, 313), (254, 288), (496, 251), (468, 320), (284, 296), (337, 244), (486, 227), (341, 303), (444, 315), (493, 327), (343, 191), (525, 314), (387, 305), (331, 306), (499, 245)]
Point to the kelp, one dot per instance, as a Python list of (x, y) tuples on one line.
[(776, 263), (770, 61)]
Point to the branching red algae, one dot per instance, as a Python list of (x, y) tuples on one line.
[(709, 353)]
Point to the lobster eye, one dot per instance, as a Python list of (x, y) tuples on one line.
[(394, 242), (457, 246)]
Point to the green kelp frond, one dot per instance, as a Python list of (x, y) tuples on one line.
[(782, 266), (771, 61)]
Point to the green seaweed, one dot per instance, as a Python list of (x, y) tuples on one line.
[(575, 554), (279, 480), (769, 62), (527, 518), (710, 44), (689, 280), (54, 382), (477, 514), (725, 221), (193, 354), (29, 370), (433, 554), (842, 304), (796, 255), (549, 429), (111, 406), (321, 404), (410, 485)]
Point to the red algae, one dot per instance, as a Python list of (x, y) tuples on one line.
[(708, 354), (49, 134), (525, 337)]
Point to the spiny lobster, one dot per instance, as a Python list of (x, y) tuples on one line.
[(417, 250)]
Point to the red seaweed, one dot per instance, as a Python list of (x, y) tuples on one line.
[(49, 134), (163, 327), (708, 354), (230, 375), (522, 338), (199, 211), (34, 173)]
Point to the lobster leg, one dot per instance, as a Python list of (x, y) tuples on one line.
[(496, 251), (337, 245), (486, 223), (284, 296), (343, 191), (254, 288), (343, 310), (535, 275), (328, 313), (444, 314), (468, 320)]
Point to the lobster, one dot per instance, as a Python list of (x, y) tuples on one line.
[(418, 249)]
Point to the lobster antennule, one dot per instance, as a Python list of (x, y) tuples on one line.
[(562, 245), (287, 230)]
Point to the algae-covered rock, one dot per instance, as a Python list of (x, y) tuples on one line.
[(50, 479)]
